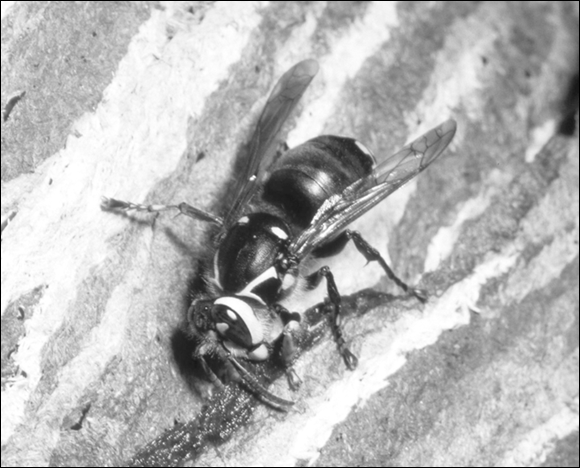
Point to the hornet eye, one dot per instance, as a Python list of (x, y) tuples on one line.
[(235, 320)]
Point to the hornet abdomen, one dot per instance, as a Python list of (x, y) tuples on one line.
[(310, 173)]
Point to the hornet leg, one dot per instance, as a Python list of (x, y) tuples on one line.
[(235, 372), (373, 255), (288, 348), (332, 307), (112, 204), (214, 379)]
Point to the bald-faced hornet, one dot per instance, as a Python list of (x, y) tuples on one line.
[(286, 208)]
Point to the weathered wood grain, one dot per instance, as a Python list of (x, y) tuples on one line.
[(155, 101)]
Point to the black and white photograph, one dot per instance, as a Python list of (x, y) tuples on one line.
[(290, 233)]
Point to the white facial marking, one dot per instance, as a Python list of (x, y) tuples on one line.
[(259, 354), (244, 220), (222, 328), (245, 313), (232, 315), (279, 233)]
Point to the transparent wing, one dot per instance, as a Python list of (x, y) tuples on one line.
[(281, 102), (340, 210)]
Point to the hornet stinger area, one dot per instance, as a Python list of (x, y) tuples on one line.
[(288, 207)]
